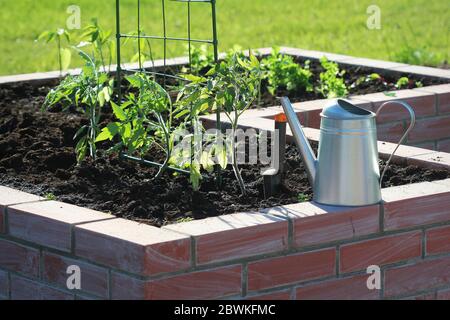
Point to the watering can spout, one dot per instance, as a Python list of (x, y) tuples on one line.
[(306, 152)]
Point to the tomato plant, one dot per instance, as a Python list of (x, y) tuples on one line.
[(143, 120), (89, 92), (64, 54)]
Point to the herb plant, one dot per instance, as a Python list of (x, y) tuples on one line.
[(89, 92), (332, 84), (283, 72), (64, 54)]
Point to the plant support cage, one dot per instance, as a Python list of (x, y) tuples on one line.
[(166, 39)]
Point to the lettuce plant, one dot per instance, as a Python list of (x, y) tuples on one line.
[(89, 92), (283, 72), (332, 84)]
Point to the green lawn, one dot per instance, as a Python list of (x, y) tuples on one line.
[(330, 25)]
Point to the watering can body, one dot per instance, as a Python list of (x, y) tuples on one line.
[(346, 171)]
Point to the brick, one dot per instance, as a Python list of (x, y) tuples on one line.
[(2, 221), (210, 284), (416, 205), (313, 109), (426, 145), (9, 196), (437, 160), (430, 129), (426, 71), (430, 296), (49, 223), (352, 288), (25, 289), (235, 236), (19, 258), (375, 64), (381, 251), (443, 96), (443, 146), (133, 247), (391, 132), (315, 223), (312, 54), (385, 150), (124, 287), (438, 240), (443, 295), (278, 295), (94, 280), (291, 269), (4, 284), (422, 276), (423, 103)]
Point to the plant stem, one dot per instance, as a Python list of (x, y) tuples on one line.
[(236, 170), (59, 56)]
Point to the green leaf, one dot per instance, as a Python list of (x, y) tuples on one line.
[(80, 132), (193, 78), (222, 157), (118, 112), (182, 113), (108, 133), (107, 93)]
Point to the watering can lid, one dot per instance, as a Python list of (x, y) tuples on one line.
[(343, 110)]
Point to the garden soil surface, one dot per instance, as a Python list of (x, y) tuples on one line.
[(37, 156)]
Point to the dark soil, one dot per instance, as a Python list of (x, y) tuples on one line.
[(37, 156)]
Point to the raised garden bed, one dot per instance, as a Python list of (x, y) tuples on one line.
[(301, 250)]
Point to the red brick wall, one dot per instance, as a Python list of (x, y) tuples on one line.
[(431, 105), (301, 251)]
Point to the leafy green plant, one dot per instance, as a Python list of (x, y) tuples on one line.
[(102, 42), (303, 197), (89, 92), (403, 82), (49, 196), (142, 120), (332, 84), (283, 72), (64, 54)]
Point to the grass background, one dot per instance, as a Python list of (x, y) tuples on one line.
[(337, 26)]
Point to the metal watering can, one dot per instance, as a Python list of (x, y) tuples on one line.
[(346, 171)]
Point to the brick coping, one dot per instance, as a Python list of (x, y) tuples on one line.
[(310, 54), (74, 230)]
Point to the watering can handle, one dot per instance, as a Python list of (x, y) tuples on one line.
[(411, 126)]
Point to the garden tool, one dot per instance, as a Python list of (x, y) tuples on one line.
[(346, 171)]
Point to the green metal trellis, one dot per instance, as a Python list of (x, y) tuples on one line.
[(166, 39)]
